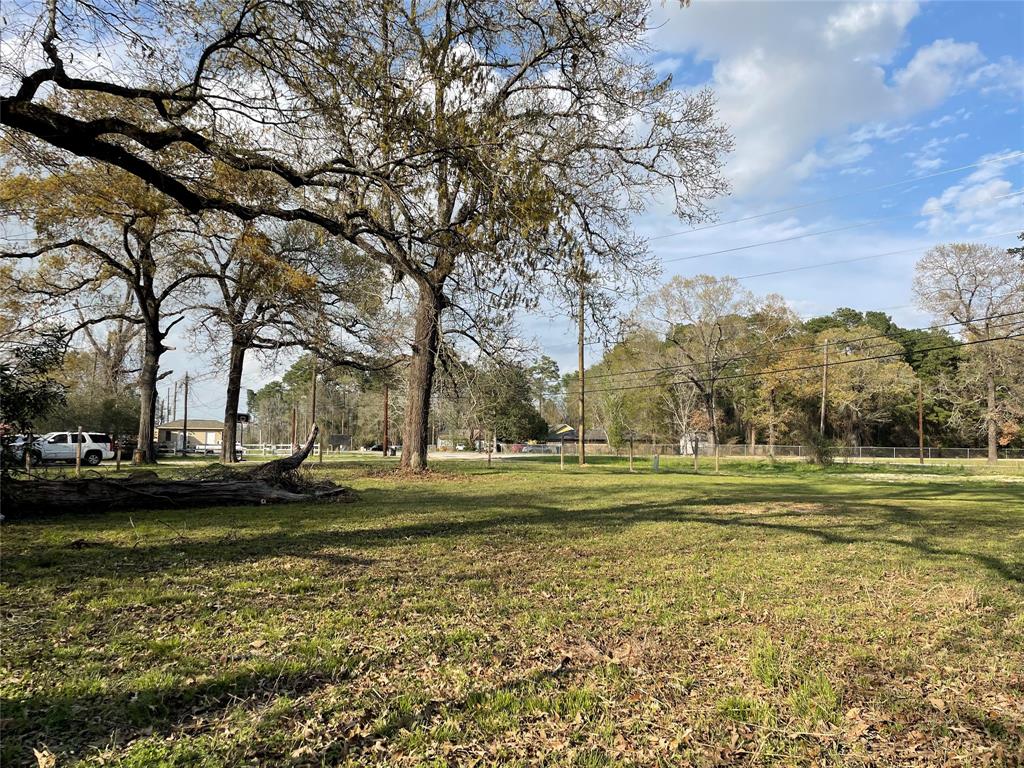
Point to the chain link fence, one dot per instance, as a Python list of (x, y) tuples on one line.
[(842, 452)]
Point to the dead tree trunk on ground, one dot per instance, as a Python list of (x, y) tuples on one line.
[(275, 482)]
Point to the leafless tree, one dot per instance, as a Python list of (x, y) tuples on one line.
[(982, 288)]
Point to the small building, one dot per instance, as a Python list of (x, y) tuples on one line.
[(568, 433), (200, 432)]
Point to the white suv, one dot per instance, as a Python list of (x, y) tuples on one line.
[(60, 446)]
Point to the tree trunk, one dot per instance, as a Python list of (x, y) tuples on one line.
[(236, 360), (709, 408), (145, 453), (421, 380), (273, 482), (990, 418)]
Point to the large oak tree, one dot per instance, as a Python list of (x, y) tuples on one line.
[(468, 146)]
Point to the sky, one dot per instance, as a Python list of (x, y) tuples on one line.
[(877, 104)]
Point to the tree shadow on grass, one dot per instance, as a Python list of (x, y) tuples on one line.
[(72, 723), (851, 517)]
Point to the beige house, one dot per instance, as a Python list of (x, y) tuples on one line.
[(200, 432)]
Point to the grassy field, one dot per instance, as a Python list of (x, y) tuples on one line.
[(519, 615)]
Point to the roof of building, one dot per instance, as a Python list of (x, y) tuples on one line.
[(568, 432), (206, 425)]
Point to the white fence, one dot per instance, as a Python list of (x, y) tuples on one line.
[(753, 451), (268, 450), (258, 450)]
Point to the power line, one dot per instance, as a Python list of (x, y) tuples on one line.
[(813, 366), (844, 228), (822, 201), (805, 316), (811, 347), (854, 259)]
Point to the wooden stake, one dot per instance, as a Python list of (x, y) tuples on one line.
[(78, 453), (630, 454), (117, 451)]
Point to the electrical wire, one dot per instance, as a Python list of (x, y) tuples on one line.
[(816, 233), (893, 336), (854, 259), (813, 366), (845, 196)]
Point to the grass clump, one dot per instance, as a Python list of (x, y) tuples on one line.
[(766, 661)]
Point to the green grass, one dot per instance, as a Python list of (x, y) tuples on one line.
[(772, 614)]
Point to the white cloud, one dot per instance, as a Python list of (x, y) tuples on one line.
[(935, 71), (790, 75), (1005, 75), (883, 132), (984, 203), (853, 21), (836, 154), (929, 157)]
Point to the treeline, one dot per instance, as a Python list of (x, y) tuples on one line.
[(492, 399), (709, 361), (760, 386), (397, 216)]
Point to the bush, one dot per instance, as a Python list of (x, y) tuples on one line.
[(820, 450)]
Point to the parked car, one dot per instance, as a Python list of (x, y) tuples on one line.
[(61, 446)]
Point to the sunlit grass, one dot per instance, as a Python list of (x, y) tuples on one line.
[(771, 614)]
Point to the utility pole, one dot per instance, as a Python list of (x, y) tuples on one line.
[(824, 388), (174, 416), (920, 422), (184, 424), (387, 447), (581, 435)]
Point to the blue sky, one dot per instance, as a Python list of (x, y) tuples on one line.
[(828, 99)]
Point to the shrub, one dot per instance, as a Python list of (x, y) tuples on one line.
[(820, 450)]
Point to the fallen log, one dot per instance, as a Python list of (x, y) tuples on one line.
[(276, 482)]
